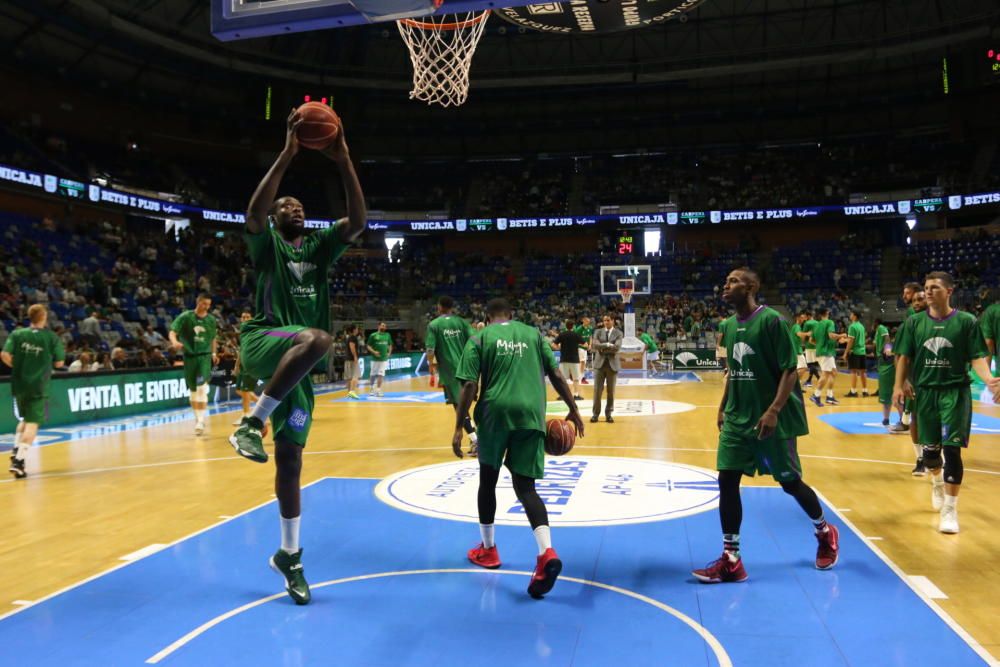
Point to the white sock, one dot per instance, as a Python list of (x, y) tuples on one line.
[(905, 419), (199, 415), (950, 501), (290, 535), (817, 393), (937, 479), (829, 393), (486, 531), (544, 538), (265, 406), (22, 451), (919, 451), (473, 438)]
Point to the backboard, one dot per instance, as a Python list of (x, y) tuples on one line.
[(245, 19), (614, 277)]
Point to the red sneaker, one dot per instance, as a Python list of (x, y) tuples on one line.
[(547, 570), (829, 547), (584, 381), (722, 571), (483, 557)]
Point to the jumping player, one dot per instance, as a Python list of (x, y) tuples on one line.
[(761, 414), (447, 335), (194, 332), (512, 359), (940, 345), (31, 353), (289, 335)]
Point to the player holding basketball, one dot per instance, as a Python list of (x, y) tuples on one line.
[(31, 353), (761, 414), (447, 335), (289, 335), (194, 332), (512, 359), (940, 345)]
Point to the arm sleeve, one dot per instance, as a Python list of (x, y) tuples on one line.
[(471, 363), (903, 345), (783, 343), (431, 338), (259, 246), (58, 349), (977, 342), (330, 241), (177, 325)]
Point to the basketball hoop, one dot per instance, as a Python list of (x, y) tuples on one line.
[(441, 49), (626, 293)]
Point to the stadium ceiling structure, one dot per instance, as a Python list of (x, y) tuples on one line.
[(125, 39)]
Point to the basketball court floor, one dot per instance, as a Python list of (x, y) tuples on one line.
[(134, 542)]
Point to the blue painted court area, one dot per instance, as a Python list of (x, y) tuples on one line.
[(436, 396), (870, 423), (394, 589)]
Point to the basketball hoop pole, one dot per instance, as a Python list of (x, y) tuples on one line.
[(626, 294)]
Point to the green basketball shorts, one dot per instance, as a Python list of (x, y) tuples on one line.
[(522, 451), (197, 370), (33, 409), (886, 381), (944, 416), (773, 456), (260, 351), (452, 389), (245, 382)]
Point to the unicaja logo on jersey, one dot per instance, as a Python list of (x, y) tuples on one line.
[(451, 333), (28, 348), (741, 350), (300, 269), (935, 345)]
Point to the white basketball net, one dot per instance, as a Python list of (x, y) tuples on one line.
[(441, 49)]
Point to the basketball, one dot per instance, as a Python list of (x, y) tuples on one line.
[(320, 125), (559, 437)]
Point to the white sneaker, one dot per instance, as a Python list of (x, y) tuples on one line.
[(949, 520), (937, 496), (199, 428), (238, 421)]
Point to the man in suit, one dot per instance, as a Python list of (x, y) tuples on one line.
[(606, 344)]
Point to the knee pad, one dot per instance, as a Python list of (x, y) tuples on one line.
[(193, 393), (202, 393), (932, 456), (954, 470)]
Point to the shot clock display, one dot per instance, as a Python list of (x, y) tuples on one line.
[(626, 243)]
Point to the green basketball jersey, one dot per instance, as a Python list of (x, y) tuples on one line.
[(512, 360), (941, 350), (796, 329), (195, 333), (760, 349), (808, 327), (447, 336), (910, 312), (989, 322), (648, 340), (883, 348), (34, 351), (292, 284), (857, 332), (586, 333), (825, 347), (380, 341)]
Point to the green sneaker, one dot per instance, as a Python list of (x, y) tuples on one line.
[(290, 567), (248, 440), (354, 395)]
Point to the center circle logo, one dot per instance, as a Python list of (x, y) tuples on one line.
[(576, 490)]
